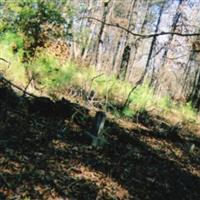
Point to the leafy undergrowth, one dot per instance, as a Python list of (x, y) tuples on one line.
[(52, 72), (45, 154)]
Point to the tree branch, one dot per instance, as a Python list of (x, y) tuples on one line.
[(4, 60), (4, 80), (143, 35)]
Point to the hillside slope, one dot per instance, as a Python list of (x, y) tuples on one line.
[(45, 154)]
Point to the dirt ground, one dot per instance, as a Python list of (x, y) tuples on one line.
[(45, 154)]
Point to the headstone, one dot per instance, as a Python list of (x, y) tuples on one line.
[(98, 123)]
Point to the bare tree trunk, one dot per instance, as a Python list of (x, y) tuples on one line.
[(127, 49), (174, 27), (153, 42), (105, 12), (154, 80), (137, 42)]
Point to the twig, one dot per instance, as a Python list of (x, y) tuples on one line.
[(131, 91), (90, 89), (95, 77), (24, 93), (8, 62)]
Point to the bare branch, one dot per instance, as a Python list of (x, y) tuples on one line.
[(143, 35)]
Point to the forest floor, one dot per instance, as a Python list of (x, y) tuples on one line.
[(45, 154)]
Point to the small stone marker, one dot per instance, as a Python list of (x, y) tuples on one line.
[(97, 128), (98, 123)]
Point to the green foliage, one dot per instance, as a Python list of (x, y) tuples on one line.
[(109, 86), (187, 112), (164, 103), (142, 97), (51, 74), (27, 24), (38, 20), (8, 43), (127, 112), (11, 38), (48, 71)]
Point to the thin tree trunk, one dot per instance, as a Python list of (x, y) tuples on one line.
[(174, 27), (171, 37), (105, 12), (153, 42)]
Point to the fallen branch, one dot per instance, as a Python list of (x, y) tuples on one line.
[(24, 93), (4, 80)]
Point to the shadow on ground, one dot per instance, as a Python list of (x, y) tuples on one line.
[(45, 154)]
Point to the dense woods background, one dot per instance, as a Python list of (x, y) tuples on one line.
[(169, 62)]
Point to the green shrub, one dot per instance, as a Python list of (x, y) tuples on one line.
[(48, 71), (187, 112), (142, 97), (10, 38), (16, 71), (32, 16), (128, 112), (12, 42), (165, 103)]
